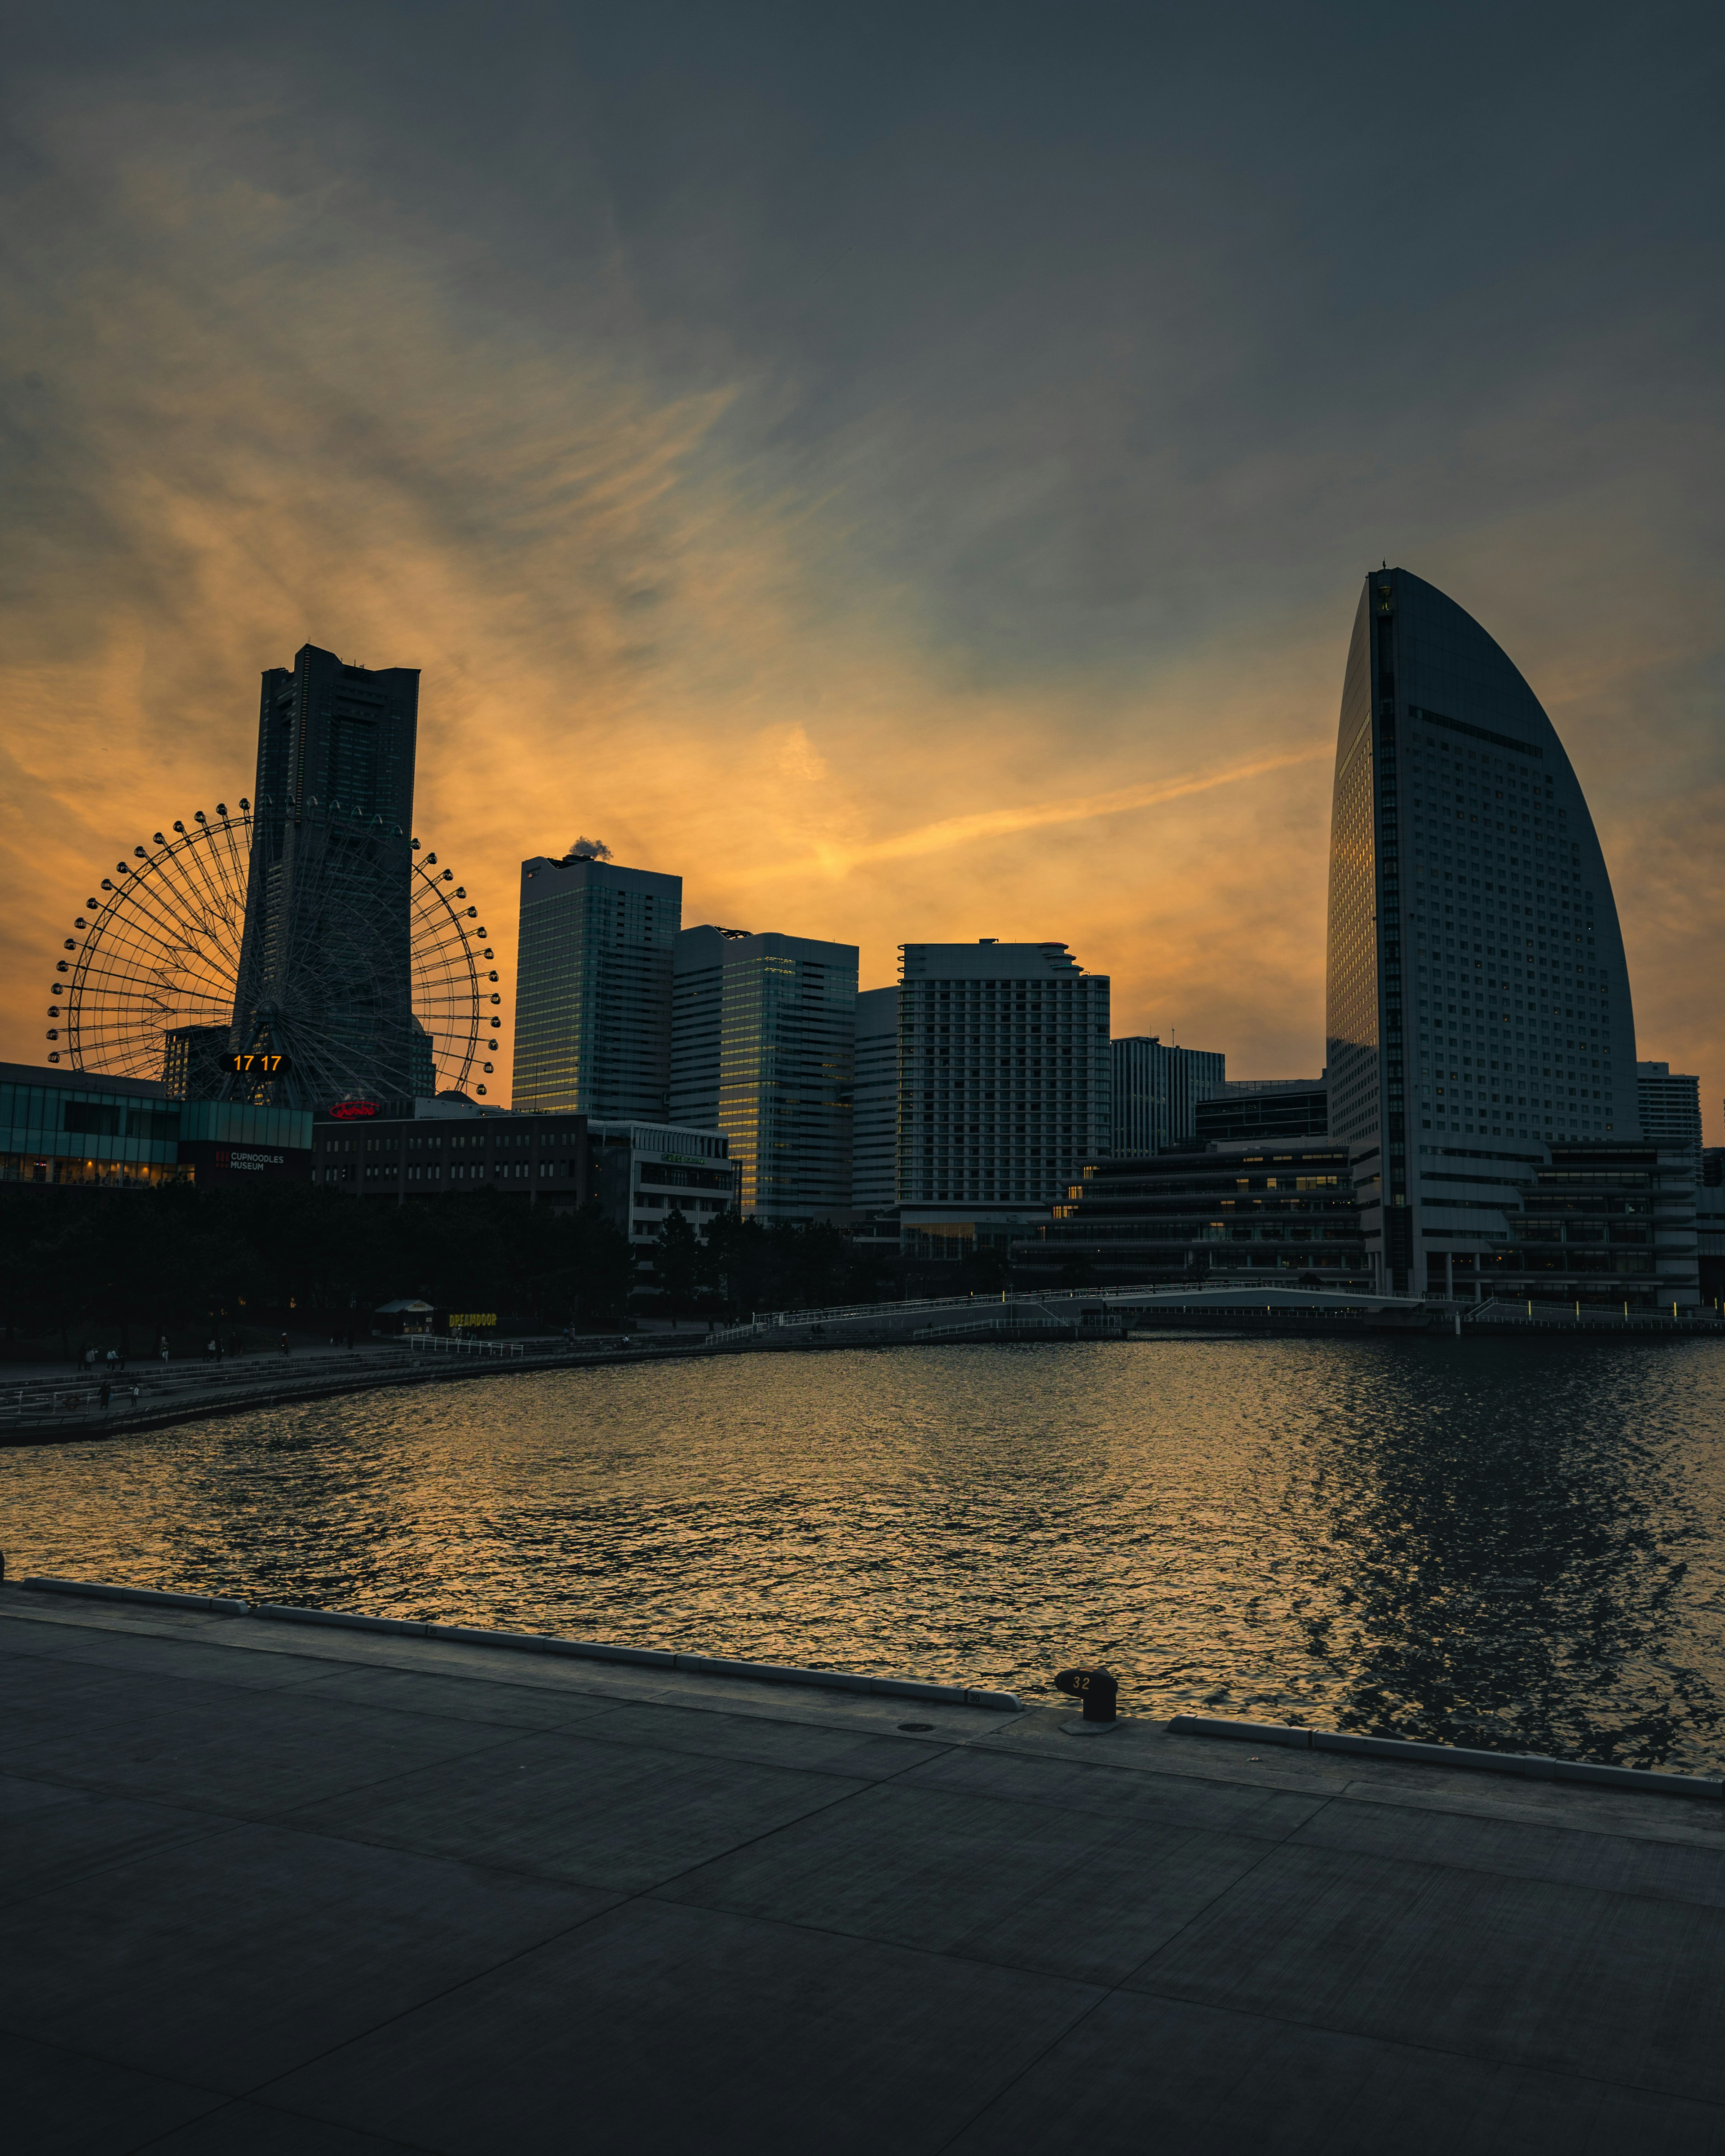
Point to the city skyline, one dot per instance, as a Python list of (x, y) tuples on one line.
[(505, 937), (995, 587)]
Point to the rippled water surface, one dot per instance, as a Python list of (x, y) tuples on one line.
[(1516, 1544)]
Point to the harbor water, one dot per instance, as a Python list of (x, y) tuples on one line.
[(1517, 1544)]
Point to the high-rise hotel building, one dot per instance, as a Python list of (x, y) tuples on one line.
[(1005, 1087), (593, 1030), (1478, 1000)]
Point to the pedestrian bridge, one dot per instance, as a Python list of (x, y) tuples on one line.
[(1076, 1313)]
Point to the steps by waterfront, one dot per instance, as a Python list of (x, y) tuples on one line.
[(287, 1886)]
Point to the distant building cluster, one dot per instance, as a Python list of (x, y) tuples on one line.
[(1482, 1126)]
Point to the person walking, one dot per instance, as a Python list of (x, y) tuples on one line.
[(209, 1351), (283, 1344), (164, 1351), (113, 1360), (106, 1395)]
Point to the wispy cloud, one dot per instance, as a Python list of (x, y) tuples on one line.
[(833, 860), (927, 678)]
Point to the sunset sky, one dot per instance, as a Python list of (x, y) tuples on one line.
[(908, 471)]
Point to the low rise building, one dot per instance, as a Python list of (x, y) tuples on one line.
[(1710, 1225), (1584, 1222), (61, 1128), (1589, 1222), (1227, 1211), (639, 1172)]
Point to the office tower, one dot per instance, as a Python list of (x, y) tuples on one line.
[(593, 1022), (1478, 998), (326, 976), (1260, 1109), (1005, 1080), (762, 1049), (1669, 1104), (1156, 1090), (873, 1174)]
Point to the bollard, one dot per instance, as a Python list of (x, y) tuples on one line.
[(1098, 1689)]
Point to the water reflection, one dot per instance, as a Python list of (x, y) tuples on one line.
[(1512, 1544), (1508, 1556)]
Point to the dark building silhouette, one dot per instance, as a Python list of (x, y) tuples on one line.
[(326, 968), (1238, 1214), (194, 1061), (1478, 1000)]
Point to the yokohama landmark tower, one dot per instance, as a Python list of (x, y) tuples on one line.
[(326, 976)]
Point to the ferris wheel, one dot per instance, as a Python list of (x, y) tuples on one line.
[(357, 954)]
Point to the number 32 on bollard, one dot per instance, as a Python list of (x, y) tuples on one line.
[(1098, 1689)]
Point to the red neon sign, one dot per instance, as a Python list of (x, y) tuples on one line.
[(344, 1111)]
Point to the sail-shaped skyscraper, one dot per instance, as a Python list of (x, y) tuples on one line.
[(1479, 1005)]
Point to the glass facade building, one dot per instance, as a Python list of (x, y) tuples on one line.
[(77, 1127), (1477, 986), (873, 1174), (763, 1051), (1263, 1108), (1157, 1091), (593, 1028)]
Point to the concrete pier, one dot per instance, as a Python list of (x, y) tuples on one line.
[(280, 1888)]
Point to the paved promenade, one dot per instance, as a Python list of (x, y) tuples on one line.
[(271, 1889)]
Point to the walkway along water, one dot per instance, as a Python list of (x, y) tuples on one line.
[(272, 1879), (53, 1408)]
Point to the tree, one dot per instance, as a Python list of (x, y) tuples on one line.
[(743, 1260), (601, 1262), (990, 1271), (679, 1263)]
